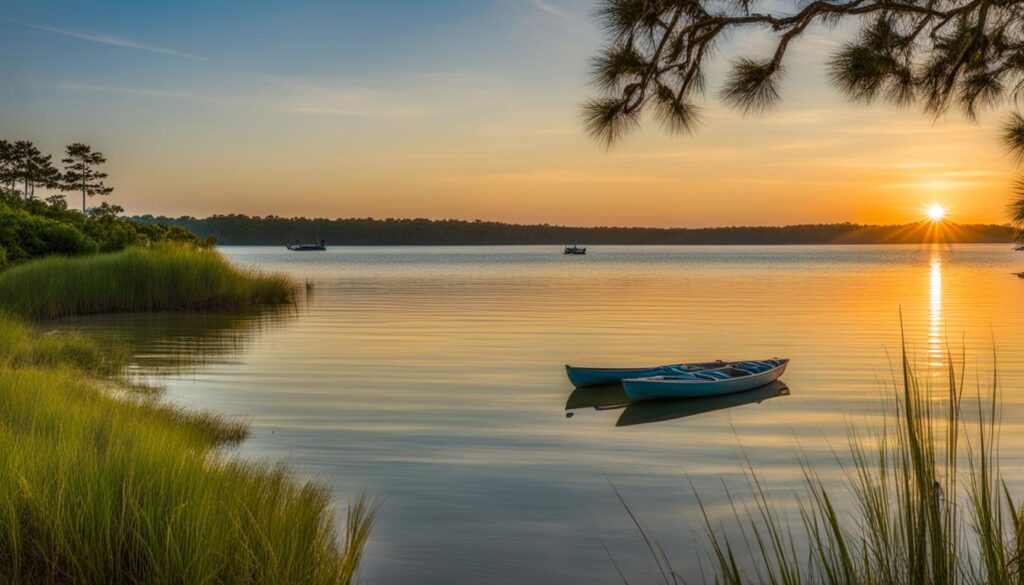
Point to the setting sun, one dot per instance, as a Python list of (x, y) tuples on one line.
[(936, 212)]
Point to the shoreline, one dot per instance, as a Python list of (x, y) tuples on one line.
[(640, 245), (245, 230)]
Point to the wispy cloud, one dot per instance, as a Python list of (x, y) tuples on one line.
[(704, 153), (345, 100), (111, 40), (280, 95), (584, 177), (561, 14), (143, 92), (930, 185), (544, 6), (556, 13)]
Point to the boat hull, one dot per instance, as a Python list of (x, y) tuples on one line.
[(582, 377), (660, 388)]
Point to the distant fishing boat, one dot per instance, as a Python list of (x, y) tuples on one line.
[(575, 250), (735, 377), (297, 247)]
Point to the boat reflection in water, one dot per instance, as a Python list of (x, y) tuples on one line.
[(636, 413)]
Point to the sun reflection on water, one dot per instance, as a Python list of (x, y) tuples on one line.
[(935, 336)]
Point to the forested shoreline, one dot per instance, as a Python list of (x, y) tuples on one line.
[(273, 230)]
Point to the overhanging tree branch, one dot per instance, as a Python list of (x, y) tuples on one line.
[(935, 53)]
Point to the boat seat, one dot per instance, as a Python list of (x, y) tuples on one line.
[(713, 375), (754, 367), (680, 376)]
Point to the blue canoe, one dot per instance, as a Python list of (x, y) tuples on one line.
[(581, 377), (732, 378)]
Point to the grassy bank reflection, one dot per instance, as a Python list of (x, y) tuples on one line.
[(166, 344)]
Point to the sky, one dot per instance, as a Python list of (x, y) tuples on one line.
[(463, 109)]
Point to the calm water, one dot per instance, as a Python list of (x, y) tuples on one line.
[(432, 378)]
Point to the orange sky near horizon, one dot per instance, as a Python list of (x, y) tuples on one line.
[(458, 126), (795, 165)]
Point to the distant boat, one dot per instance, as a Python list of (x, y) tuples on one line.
[(1019, 248), (735, 377), (297, 247), (575, 250)]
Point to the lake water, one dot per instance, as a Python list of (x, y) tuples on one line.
[(432, 379)]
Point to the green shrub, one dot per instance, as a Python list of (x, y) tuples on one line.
[(26, 236), (163, 277), (31, 228)]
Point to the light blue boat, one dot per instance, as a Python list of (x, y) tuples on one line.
[(582, 377), (731, 378)]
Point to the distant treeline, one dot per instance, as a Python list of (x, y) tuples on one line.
[(245, 230)]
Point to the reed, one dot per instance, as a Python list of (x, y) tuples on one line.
[(931, 506), (164, 277), (107, 487)]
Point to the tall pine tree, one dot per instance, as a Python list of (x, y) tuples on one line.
[(42, 173), (24, 153), (81, 173), (8, 165)]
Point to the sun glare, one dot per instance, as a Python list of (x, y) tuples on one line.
[(936, 212)]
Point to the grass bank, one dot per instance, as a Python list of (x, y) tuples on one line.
[(99, 485), (164, 277)]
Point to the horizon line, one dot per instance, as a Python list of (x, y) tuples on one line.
[(946, 223)]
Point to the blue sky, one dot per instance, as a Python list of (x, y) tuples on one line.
[(446, 109)]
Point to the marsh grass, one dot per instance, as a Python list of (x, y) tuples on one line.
[(118, 487), (929, 504), (163, 277)]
